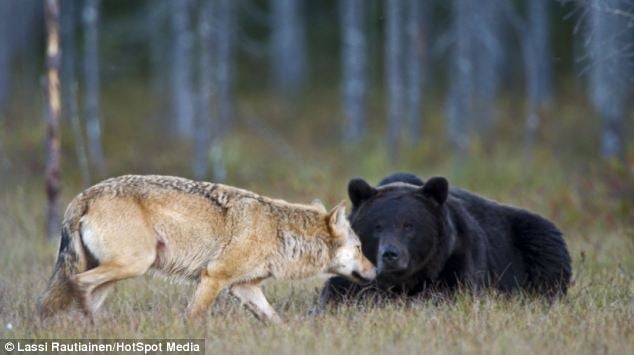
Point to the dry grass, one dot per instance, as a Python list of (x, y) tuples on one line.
[(596, 317), (592, 202)]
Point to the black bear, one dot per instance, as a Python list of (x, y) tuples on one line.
[(427, 236)]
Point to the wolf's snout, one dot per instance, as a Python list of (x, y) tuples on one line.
[(370, 274), (367, 271), (364, 276)]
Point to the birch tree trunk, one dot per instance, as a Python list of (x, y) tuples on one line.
[(354, 64), (181, 75), (394, 73), (53, 107), (92, 90)]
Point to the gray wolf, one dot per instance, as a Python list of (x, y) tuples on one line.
[(215, 235)]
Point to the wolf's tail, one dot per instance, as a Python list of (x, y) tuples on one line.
[(71, 260)]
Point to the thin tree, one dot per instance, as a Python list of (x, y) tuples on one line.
[(92, 90), (354, 67), (5, 52), (288, 45), (416, 55), (19, 36), (487, 28), (53, 108), (5, 72), (69, 86), (462, 78), (537, 64), (205, 85), (394, 73), (210, 106), (609, 38), (180, 69), (224, 38), (475, 74), (158, 32)]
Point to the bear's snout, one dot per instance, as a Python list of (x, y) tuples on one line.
[(392, 260), (390, 255)]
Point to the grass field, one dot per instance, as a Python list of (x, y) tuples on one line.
[(592, 202)]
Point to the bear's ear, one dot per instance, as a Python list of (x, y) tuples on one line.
[(359, 190), (436, 188)]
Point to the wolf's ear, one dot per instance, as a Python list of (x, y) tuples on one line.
[(436, 188), (319, 205), (337, 216), (359, 190)]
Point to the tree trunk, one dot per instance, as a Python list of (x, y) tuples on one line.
[(215, 23), (90, 17), (53, 107), (608, 39), (69, 86), (20, 28), (416, 53), (158, 39), (205, 79), (354, 64), (224, 39), (181, 76), (5, 53), (475, 76), (486, 30), (288, 44), (537, 64), (394, 73)]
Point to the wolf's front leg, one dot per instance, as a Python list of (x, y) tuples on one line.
[(252, 297), (208, 289)]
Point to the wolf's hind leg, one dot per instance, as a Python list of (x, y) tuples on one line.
[(252, 297), (93, 285), (100, 293), (208, 289)]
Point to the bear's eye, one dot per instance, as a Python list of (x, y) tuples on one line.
[(408, 226), (359, 249), (378, 227)]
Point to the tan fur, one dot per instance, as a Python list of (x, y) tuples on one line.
[(216, 235)]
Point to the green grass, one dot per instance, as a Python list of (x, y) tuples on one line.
[(592, 202)]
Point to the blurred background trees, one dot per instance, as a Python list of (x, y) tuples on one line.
[(193, 87), (354, 54), (610, 53)]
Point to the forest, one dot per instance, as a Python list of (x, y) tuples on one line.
[(527, 102)]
